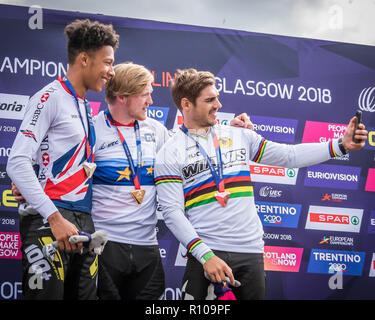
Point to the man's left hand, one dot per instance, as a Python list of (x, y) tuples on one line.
[(359, 134)]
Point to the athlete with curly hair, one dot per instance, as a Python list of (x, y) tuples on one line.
[(52, 162)]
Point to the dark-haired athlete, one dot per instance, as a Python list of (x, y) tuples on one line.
[(51, 163)]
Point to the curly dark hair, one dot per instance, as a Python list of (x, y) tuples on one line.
[(86, 35)]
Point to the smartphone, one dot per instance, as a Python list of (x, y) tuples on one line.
[(358, 115)]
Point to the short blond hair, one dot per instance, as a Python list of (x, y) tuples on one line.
[(129, 79)]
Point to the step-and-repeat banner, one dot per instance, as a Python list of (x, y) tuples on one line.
[(319, 222)]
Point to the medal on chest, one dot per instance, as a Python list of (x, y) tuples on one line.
[(89, 168), (222, 196), (137, 194), (88, 165)]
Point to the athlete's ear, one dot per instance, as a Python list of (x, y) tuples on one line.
[(185, 104), (121, 99), (83, 58)]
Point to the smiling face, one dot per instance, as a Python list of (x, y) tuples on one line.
[(202, 113), (98, 69), (136, 105)]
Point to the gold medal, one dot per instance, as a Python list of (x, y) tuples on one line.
[(222, 197), (89, 168), (138, 195)]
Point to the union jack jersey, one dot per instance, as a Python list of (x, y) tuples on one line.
[(46, 159)]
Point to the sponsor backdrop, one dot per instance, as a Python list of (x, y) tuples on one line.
[(319, 221)]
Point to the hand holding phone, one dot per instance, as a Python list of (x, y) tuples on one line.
[(358, 115)]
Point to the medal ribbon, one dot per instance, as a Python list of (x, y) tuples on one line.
[(135, 172), (90, 137), (217, 175)]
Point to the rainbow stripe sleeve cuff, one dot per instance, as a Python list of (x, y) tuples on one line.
[(334, 149), (258, 156), (193, 244), (199, 250), (167, 179)]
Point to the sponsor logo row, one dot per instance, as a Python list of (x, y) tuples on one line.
[(325, 240), (274, 193), (320, 175), (287, 215), (288, 259)]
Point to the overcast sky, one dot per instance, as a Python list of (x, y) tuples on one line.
[(338, 20)]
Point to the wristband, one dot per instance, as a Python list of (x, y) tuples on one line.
[(206, 256), (342, 149)]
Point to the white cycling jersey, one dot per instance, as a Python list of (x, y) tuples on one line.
[(46, 159), (114, 209), (186, 188)]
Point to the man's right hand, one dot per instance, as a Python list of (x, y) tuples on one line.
[(16, 193), (62, 229), (217, 269)]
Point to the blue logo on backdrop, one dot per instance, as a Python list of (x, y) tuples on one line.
[(274, 214), (158, 113), (330, 261), (275, 129), (332, 176)]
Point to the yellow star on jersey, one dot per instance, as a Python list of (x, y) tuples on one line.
[(124, 174), (149, 170)]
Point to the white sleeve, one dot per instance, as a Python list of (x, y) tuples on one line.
[(37, 120), (162, 136), (168, 181), (290, 156)]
